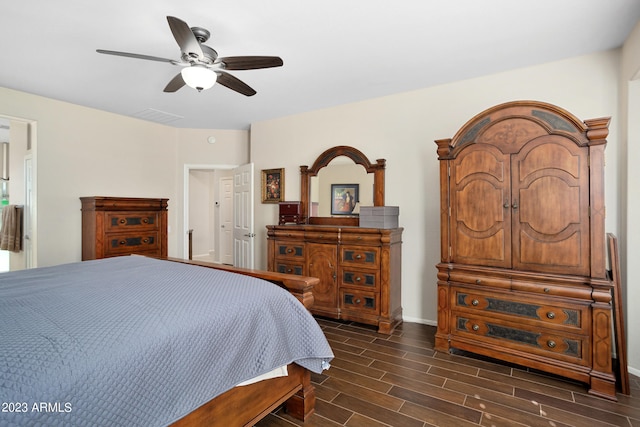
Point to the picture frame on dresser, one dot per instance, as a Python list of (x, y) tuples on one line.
[(344, 198), (272, 185)]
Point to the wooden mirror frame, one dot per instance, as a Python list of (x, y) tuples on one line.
[(323, 160)]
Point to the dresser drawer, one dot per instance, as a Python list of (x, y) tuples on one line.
[(365, 279), (289, 267), (289, 234), (290, 250), (563, 346), (118, 244), (124, 222), (362, 301), (321, 236), (522, 308), (360, 239), (360, 256)]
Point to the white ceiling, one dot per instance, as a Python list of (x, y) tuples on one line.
[(334, 51)]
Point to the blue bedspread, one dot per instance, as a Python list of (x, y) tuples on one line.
[(134, 341)]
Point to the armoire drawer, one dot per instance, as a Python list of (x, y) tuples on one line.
[(365, 302), (365, 279), (522, 308), (124, 222), (360, 256), (290, 250), (119, 244), (571, 348), (473, 278)]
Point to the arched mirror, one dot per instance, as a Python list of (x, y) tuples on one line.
[(351, 170)]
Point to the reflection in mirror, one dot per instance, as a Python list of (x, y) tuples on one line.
[(336, 156), (340, 170)]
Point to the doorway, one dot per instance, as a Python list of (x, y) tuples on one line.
[(211, 214), (18, 137), (204, 211)]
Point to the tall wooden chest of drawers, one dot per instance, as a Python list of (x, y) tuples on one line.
[(522, 276), (358, 268), (115, 226)]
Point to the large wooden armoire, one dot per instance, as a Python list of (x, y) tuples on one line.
[(522, 276)]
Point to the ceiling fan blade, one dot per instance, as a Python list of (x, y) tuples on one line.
[(250, 62), (176, 83), (234, 83), (185, 38), (135, 55)]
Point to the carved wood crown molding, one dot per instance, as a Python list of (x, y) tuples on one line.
[(495, 125), (343, 150)]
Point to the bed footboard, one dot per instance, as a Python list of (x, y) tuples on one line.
[(246, 405), (299, 286)]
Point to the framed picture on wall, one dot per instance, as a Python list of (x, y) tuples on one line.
[(272, 185), (343, 198)]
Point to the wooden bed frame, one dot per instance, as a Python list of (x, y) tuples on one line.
[(246, 405)]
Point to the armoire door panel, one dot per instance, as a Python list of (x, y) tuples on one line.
[(480, 207), (550, 184)]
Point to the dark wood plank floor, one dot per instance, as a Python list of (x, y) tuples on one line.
[(399, 380)]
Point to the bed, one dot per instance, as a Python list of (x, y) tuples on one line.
[(140, 341)]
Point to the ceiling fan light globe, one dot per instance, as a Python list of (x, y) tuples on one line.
[(199, 77)]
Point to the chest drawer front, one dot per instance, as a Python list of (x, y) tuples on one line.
[(522, 308), (129, 221), (366, 279), (567, 347), (360, 256), (132, 242), (291, 250), (362, 301), (290, 268)]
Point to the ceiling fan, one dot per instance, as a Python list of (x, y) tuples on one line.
[(202, 66)]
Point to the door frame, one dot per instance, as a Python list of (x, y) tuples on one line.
[(185, 197), (225, 205)]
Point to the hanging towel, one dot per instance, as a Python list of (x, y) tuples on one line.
[(11, 233)]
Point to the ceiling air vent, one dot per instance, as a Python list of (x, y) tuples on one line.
[(157, 116)]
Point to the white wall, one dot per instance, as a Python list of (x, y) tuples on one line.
[(630, 202), (402, 128), (86, 152)]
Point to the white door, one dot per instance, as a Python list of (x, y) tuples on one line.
[(226, 221), (243, 235)]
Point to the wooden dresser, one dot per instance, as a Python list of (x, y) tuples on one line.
[(522, 276), (114, 226), (358, 268)]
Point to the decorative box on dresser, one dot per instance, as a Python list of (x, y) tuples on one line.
[(115, 226), (358, 268), (522, 276)]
